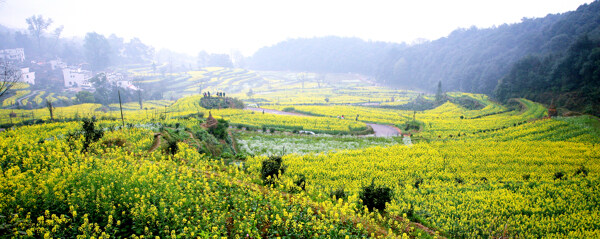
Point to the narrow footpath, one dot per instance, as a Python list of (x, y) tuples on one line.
[(20, 100), (277, 112), (380, 129)]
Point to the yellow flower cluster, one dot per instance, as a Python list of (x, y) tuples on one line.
[(366, 114), (20, 86), (510, 175), (445, 121), (50, 188), (449, 119), (547, 129), (81, 110), (38, 97), (258, 120), (311, 94), (13, 99), (472, 188), (316, 124), (149, 104)]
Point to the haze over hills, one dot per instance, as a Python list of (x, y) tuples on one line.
[(324, 55), (471, 60), (530, 59)]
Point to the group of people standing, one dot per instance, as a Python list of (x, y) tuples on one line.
[(219, 94)]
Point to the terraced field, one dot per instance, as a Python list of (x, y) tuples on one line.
[(267, 87), (498, 171)]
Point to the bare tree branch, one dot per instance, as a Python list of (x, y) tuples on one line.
[(56, 35), (9, 76)]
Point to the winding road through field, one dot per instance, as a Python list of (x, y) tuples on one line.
[(32, 93), (380, 129), (277, 112)]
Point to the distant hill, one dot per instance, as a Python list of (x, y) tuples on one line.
[(323, 54), (568, 77), (474, 59), (543, 59), (554, 59)]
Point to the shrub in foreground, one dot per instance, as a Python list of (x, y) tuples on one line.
[(271, 168), (375, 197)]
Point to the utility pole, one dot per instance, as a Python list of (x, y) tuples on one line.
[(121, 107), (140, 98)]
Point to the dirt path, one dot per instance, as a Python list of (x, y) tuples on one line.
[(380, 129), (233, 143), (384, 130), (156, 142), (20, 100), (277, 112)]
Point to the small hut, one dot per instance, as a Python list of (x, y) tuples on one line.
[(211, 122)]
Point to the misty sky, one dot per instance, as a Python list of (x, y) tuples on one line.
[(221, 25)]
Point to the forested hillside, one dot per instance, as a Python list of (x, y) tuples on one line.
[(536, 58), (568, 79), (475, 59)]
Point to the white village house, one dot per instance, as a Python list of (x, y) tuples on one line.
[(120, 81), (77, 78), (57, 64), (27, 77), (17, 54)]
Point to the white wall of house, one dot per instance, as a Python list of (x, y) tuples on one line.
[(120, 81), (76, 78), (57, 64), (17, 54), (27, 77), (126, 85)]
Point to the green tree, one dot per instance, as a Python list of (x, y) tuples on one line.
[(220, 60), (137, 52), (116, 45), (37, 26), (202, 59), (302, 78), (439, 95), (97, 51), (90, 132), (56, 34), (103, 89), (85, 97), (50, 109), (237, 59)]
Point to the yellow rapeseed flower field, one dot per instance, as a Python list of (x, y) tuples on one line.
[(491, 172)]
